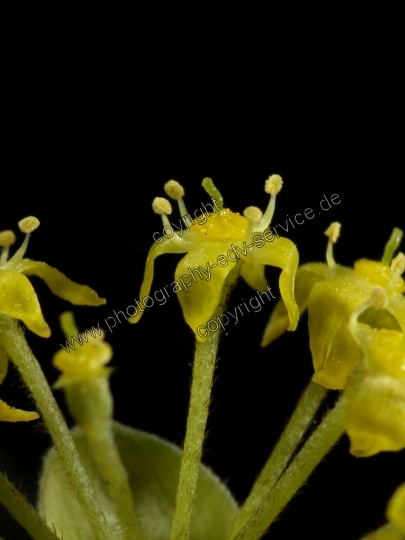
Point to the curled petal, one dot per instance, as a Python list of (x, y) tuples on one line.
[(376, 417), (166, 246), (201, 294), (19, 300), (60, 284), (282, 253), (306, 278), (9, 414)]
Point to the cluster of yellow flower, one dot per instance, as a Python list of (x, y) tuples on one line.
[(356, 315)]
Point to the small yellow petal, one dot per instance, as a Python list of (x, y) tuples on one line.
[(201, 290), (376, 417), (60, 284), (343, 356), (254, 276), (167, 245), (19, 300), (306, 278), (282, 253), (10, 414)]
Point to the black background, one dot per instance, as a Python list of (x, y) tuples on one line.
[(90, 141)]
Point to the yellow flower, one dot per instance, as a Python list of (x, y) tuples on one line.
[(17, 296), (331, 292), (86, 354), (214, 244)]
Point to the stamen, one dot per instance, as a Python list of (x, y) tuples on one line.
[(163, 207), (272, 186), (7, 238), (26, 225), (176, 191), (332, 232)]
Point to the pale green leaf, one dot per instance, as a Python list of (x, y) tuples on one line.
[(153, 466)]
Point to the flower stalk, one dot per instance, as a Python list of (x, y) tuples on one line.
[(23, 512), (203, 373), (291, 437), (314, 450)]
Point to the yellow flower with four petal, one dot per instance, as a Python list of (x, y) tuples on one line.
[(215, 247), (19, 300)]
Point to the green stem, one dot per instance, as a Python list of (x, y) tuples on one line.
[(91, 403), (203, 372), (18, 350), (280, 457), (386, 532), (23, 512), (315, 449)]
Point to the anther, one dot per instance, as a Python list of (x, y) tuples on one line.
[(7, 238), (273, 184), (174, 190), (28, 224), (252, 213), (161, 206), (333, 231)]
